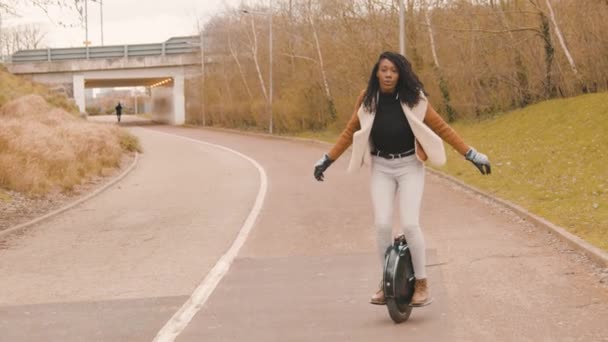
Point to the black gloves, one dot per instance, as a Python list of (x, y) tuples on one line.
[(321, 166), (480, 160)]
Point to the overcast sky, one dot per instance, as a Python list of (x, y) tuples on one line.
[(124, 21)]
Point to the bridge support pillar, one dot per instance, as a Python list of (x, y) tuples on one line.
[(78, 86), (179, 100)]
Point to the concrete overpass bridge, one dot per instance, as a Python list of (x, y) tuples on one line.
[(165, 68)]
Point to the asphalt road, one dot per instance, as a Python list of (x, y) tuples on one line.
[(117, 267)]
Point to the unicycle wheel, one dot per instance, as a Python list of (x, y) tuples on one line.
[(399, 313), (398, 280)]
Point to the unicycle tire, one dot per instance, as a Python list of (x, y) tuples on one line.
[(398, 280), (399, 313)]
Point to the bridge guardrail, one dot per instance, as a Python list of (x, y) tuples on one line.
[(175, 45)]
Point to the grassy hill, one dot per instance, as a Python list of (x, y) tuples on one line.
[(550, 158)]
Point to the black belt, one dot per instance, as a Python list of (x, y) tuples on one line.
[(387, 155)]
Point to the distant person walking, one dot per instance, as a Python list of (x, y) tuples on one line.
[(118, 110)]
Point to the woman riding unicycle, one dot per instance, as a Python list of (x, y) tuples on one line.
[(396, 130)]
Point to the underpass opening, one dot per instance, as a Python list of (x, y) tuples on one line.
[(152, 97)]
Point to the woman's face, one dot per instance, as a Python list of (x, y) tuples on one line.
[(388, 75)]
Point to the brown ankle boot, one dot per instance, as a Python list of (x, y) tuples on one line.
[(422, 294), (378, 297)]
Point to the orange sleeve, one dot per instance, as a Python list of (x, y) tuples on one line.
[(346, 137), (442, 129)]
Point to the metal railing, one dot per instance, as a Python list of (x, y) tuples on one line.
[(173, 46)]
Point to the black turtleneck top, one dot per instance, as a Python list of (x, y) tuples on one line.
[(391, 132)]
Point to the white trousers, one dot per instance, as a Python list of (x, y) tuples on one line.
[(405, 177)]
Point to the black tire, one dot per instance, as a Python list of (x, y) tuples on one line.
[(398, 280), (399, 313)]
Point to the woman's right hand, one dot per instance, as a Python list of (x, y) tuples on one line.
[(321, 166)]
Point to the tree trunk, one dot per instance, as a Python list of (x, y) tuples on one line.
[(332, 109), (412, 37), (521, 74), (227, 83), (562, 42), (239, 67), (443, 86), (427, 18), (549, 54), (291, 41), (254, 51)]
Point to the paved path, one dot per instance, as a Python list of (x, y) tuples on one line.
[(116, 267), (119, 266)]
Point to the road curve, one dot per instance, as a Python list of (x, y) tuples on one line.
[(116, 267)]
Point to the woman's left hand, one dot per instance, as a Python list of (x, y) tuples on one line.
[(321, 166), (480, 160)]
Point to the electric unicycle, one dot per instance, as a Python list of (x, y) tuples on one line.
[(398, 280)]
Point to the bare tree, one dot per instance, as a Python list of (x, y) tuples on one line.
[(8, 6), (74, 6), (560, 37), (545, 32), (332, 109), (23, 37), (254, 52), (427, 19), (238, 64), (500, 53), (550, 50), (412, 36), (443, 86), (521, 75)]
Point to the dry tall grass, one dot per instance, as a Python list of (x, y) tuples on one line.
[(44, 148)]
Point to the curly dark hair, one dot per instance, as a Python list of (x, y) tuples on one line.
[(408, 85)]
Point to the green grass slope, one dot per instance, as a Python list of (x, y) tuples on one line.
[(550, 158)]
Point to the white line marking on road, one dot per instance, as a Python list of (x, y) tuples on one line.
[(184, 315)]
